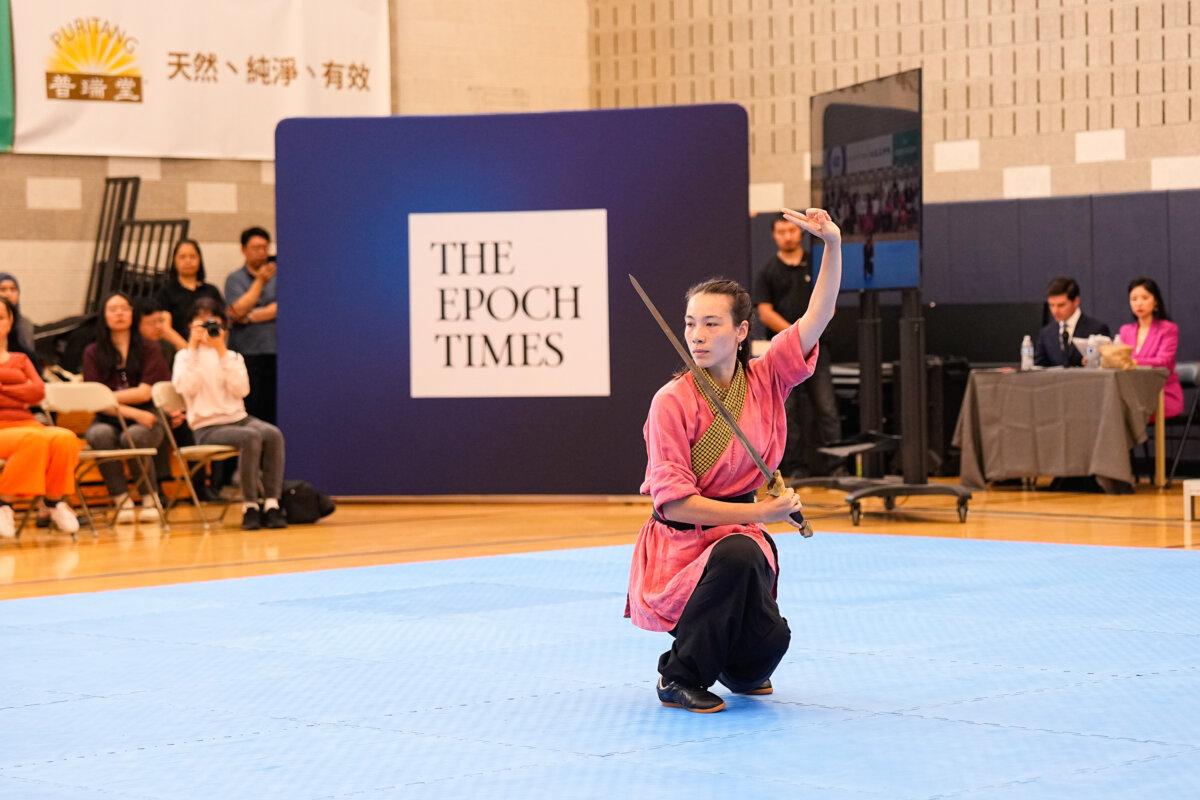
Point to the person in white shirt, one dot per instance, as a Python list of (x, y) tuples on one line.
[(214, 382)]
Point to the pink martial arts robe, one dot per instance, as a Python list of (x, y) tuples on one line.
[(667, 563)]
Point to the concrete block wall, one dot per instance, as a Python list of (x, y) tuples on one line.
[(50, 208), (1022, 98)]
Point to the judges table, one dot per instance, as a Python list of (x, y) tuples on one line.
[(1058, 422)]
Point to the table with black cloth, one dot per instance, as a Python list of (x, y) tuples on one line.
[(1059, 422)]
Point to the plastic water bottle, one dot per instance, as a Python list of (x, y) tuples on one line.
[(1026, 354), (1093, 353)]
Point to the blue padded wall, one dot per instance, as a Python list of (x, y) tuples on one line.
[(1007, 251)]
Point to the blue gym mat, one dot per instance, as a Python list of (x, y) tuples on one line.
[(919, 668)]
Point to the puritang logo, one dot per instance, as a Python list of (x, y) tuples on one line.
[(93, 59)]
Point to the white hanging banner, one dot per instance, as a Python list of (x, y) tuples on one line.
[(195, 80)]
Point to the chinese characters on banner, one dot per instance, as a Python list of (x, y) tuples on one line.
[(272, 71), (182, 79), (65, 86)]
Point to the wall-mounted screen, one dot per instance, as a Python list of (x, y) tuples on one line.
[(866, 170)]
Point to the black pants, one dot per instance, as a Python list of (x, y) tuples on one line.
[(261, 400), (812, 422), (731, 624)]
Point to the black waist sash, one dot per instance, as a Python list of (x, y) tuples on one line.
[(748, 497)]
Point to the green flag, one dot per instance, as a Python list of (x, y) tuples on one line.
[(6, 79)]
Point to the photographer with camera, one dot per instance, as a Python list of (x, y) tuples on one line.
[(214, 382)]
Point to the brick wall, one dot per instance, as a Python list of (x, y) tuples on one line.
[(1022, 98)]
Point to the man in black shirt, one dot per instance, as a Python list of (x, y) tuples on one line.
[(782, 288)]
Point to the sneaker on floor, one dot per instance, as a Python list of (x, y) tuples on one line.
[(125, 510), (251, 519), (148, 513), (8, 523), (274, 518), (62, 516)]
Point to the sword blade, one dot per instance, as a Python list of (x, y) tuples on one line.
[(703, 382)]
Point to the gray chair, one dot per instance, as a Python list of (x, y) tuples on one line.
[(1189, 378)]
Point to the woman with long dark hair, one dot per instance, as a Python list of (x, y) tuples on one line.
[(1154, 338), (40, 460), (129, 365), (704, 569), (185, 285)]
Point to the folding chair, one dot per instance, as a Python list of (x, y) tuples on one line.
[(191, 458), (88, 397)]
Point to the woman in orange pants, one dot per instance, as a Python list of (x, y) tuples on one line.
[(39, 460)]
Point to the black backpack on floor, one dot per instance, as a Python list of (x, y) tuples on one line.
[(303, 504)]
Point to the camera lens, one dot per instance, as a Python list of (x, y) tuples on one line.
[(213, 327)]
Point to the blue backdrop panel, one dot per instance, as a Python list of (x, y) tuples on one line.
[(1129, 238), (673, 182)]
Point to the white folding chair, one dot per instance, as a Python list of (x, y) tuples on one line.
[(88, 397), (192, 458)]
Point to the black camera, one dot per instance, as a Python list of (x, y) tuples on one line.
[(213, 327)]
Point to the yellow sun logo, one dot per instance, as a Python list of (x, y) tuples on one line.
[(93, 59)]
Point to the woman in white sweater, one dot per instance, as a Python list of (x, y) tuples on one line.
[(213, 380)]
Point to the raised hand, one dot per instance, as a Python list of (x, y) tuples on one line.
[(817, 222), (196, 336)]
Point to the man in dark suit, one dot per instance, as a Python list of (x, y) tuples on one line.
[(1054, 347)]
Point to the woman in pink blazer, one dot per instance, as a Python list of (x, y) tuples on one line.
[(1154, 338)]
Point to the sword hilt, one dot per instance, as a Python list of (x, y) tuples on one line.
[(775, 489)]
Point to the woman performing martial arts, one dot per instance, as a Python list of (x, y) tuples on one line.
[(703, 568)]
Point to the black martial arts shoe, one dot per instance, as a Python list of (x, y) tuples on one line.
[(740, 688), (677, 695)]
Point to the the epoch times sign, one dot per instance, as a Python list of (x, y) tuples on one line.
[(509, 304)]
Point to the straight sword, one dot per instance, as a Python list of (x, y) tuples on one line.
[(774, 479)]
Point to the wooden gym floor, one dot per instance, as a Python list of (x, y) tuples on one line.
[(363, 534)]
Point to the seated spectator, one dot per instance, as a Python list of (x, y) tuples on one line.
[(10, 290), (154, 325), (1054, 347), (129, 365), (213, 380), (185, 285), (1154, 338), (40, 460)]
